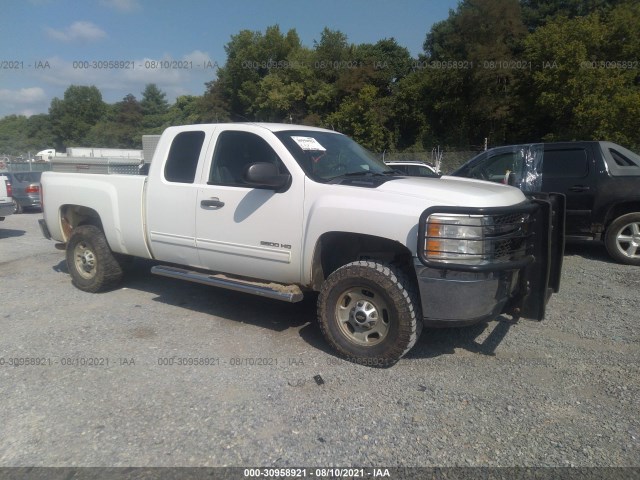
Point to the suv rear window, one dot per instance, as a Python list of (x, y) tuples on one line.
[(27, 177)]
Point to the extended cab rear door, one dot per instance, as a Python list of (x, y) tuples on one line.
[(172, 192), (242, 230)]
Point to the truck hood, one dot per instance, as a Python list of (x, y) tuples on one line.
[(454, 191)]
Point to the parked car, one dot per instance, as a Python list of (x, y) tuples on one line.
[(413, 169), (280, 210), (601, 182), (6, 203), (26, 190)]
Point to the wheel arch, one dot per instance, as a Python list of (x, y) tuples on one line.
[(620, 209), (335, 249), (72, 216)]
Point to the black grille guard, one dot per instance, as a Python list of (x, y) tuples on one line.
[(539, 259)]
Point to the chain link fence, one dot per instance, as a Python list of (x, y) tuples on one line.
[(14, 166)]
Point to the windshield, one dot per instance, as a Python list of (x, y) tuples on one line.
[(325, 155)]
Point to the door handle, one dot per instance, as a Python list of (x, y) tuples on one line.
[(579, 188), (214, 202)]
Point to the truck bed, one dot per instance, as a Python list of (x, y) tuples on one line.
[(117, 199)]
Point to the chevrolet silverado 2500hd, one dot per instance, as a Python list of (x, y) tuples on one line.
[(277, 210)]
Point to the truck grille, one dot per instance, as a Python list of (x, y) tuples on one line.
[(508, 237)]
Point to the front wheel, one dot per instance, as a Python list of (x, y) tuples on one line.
[(91, 263), (369, 313), (623, 239)]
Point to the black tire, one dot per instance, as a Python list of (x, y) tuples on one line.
[(18, 208), (623, 239), (91, 263), (370, 313)]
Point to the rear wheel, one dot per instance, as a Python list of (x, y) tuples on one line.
[(18, 208), (369, 313), (623, 239), (91, 263)]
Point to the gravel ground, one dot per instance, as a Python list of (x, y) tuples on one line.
[(562, 392)]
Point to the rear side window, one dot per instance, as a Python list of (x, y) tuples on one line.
[(620, 159), (571, 163), (184, 153)]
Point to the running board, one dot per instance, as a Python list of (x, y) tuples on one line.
[(287, 293)]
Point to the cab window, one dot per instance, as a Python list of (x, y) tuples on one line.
[(234, 152), (184, 153)]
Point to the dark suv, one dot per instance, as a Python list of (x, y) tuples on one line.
[(601, 182)]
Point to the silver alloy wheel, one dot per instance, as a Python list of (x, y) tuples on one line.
[(363, 316), (628, 240), (85, 260)]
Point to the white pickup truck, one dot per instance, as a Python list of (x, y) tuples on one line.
[(279, 210), (7, 206)]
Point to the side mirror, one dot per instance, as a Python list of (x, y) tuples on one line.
[(265, 175)]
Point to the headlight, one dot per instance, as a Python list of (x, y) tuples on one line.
[(455, 238), (478, 240)]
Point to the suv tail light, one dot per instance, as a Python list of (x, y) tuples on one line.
[(33, 188), (9, 189)]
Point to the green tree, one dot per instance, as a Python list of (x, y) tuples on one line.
[(212, 106), (585, 91), (363, 120), (12, 134), (471, 90), (276, 97), (73, 116), (410, 120), (154, 101), (333, 54), (251, 56), (120, 127), (154, 109), (38, 132), (536, 13)]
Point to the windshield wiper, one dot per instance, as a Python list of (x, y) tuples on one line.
[(363, 172)]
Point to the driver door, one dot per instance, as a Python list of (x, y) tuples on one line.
[(242, 230)]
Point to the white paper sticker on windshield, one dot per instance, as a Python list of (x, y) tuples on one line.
[(308, 143)]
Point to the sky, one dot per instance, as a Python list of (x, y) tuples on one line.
[(48, 45)]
